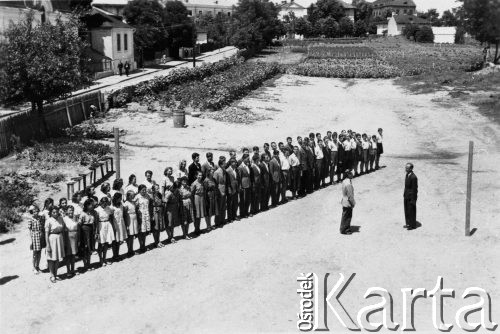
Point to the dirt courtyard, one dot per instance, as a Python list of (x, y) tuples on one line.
[(242, 278)]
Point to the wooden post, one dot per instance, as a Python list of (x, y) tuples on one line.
[(99, 101), (67, 113), (469, 190), (116, 132), (83, 110)]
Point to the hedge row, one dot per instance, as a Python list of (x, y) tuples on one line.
[(158, 84)]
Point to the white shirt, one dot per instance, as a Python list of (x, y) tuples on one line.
[(374, 144), (293, 160), (256, 166), (353, 144), (180, 173), (285, 165), (347, 145), (332, 146), (365, 144), (379, 138), (318, 151)]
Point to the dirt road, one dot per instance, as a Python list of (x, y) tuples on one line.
[(242, 278)]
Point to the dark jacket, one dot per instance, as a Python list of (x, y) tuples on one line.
[(193, 169), (411, 187)]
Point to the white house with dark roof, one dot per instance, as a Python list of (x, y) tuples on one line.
[(291, 7), (403, 7), (299, 7), (111, 37)]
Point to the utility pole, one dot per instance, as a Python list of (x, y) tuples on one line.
[(194, 45)]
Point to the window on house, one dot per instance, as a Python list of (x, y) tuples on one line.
[(397, 11), (228, 13), (410, 11), (190, 12), (125, 42), (200, 13), (404, 11), (118, 42)]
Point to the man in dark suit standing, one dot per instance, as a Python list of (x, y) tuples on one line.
[(220, 197), (209, 164), (233, 189), (194, 168), (275, 176), (265, 181), (245, 175), (410, 197)]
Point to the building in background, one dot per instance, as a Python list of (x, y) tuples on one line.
[(44, 10), (196, 8), (291, 7), (112, 39), (114, 7), (444, 34), (403, 7), (396, 23)]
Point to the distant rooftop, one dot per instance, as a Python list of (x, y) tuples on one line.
[(383, 3)]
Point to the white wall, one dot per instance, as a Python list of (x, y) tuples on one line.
[(444, 34)]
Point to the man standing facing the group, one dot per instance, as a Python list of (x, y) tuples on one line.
[(410, 197), (348, 203)]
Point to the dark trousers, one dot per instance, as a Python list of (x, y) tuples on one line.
[(318, 173), (345, 222), (232, 206), (303, 182), (255, 207), (295, 181), (410, 213), (264, 198), (245, 199), (285, 182), (220, 211), (275, 192)]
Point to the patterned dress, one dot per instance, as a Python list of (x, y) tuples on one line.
[(55, 229), (198, 190), (119, 224), (104, 225), (187, 213), (131, 218), (158, 212), (37, 232), (211, 204), (144, 207)]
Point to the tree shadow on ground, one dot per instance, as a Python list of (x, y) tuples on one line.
[(7, 241)]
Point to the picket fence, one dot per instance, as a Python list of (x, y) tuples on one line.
[(27, 125)]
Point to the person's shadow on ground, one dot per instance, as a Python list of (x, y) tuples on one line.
[(7, 279)]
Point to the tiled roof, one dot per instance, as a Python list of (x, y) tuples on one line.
[(407, 19), (99, 18), (383, 3)]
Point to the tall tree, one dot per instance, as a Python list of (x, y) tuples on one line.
[(483, 22), (43, 62), (180, 26), (346, 27), (448, 19), (363, 11), (326, 8), (147, 17), (431, 15), (255, 25)]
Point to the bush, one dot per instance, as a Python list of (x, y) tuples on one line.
[(87, 130), (425, 35), (346, 68), (158, 84), (15, 195), (460, 35), (217, 91)]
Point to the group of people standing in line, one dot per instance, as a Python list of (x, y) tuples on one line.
[(229, 190)]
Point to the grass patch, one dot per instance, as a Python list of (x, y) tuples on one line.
[(16, 194)]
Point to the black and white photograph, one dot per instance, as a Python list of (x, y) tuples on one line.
[(249, 166)]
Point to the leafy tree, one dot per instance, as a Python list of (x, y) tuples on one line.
[(360, 28), (289, 21), (303, 27), (42, 62), (431, 15), (255, 24), (448, 19), (329, 27), (460, 35), (363, 11), (217, 27), (324, 9), (147, 18), (483, 22), (410, 31), (346, 27), (179, 26), (424, 35)]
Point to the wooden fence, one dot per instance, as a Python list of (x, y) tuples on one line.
[(27, 125)]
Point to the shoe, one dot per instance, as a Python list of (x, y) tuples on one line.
[(406, 226), (52, 279), (410, 228), (346, 232)]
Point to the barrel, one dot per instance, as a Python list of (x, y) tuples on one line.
[(179, 118)]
